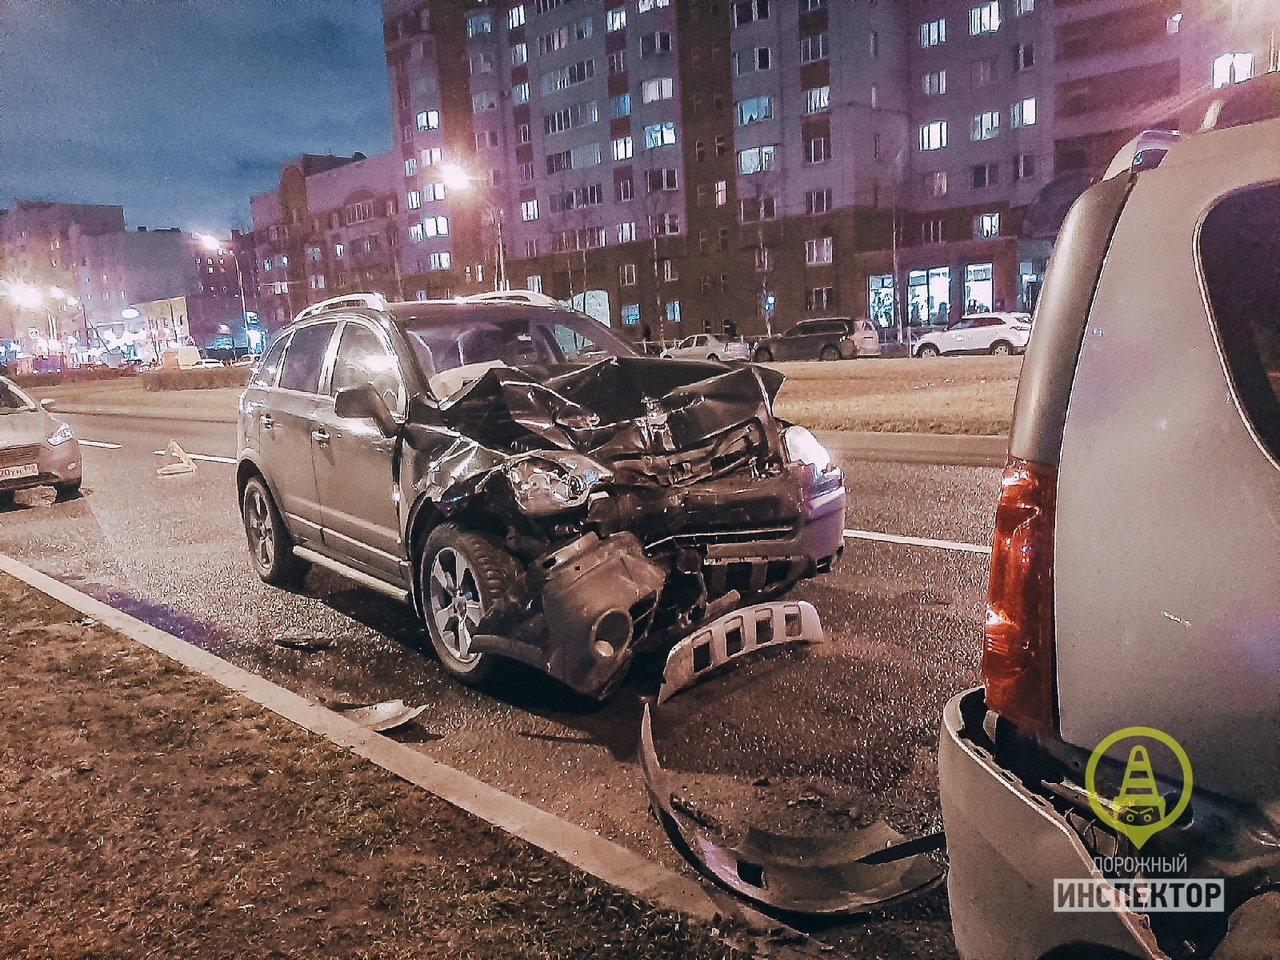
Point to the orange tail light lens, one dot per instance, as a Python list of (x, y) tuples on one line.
[(1018, 654)]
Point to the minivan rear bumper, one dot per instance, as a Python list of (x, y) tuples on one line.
[(1006, 846)]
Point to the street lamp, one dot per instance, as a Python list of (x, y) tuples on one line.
[(457, 178), (214, 245)]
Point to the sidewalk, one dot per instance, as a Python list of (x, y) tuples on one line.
[(147, 809)]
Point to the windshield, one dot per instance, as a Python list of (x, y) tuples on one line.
[(539, 340), (13, 400)]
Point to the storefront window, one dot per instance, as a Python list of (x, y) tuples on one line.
[(979, 293), (928, 296), (880, 300)]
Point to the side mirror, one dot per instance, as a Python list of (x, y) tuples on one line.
[(47, 402), (365, 403)]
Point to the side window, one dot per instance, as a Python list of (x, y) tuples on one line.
[(267, 371), (364, 358), (1240, 255), (573, 343), (305, 358)]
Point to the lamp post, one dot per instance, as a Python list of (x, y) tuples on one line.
[(214, 245), (457, 178)]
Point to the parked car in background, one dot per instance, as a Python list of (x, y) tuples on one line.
[(533, 487), (865, 337), (1000, 334), (1128, 729), (707, 346), (206, 362), (36, 449), (827, 339)]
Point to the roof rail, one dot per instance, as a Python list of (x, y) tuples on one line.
[(374, 301), (512, 296)]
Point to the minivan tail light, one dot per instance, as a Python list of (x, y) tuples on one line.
[(1018, 653)]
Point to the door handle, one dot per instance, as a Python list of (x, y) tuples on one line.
[(320, 436)]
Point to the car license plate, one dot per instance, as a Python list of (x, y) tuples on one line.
[(18, 472)]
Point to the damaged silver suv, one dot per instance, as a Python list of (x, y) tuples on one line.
[(536, 490), (1114, 788)]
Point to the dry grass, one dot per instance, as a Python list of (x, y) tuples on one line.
[(969, 395), (148, 812)]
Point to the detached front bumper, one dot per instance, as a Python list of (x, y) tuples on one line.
[(1007, 845)]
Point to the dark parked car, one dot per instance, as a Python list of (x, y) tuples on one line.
[(35, 448), (810, 340), (533, 487)]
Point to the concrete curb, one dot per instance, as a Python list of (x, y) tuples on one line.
[(580, 848)]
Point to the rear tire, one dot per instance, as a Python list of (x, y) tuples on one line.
[(829, 353), (270, 546), (764, 355), (462, 577), (928, 351), (1001, 349)]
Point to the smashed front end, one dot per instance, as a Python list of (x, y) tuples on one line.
[(641, 496)]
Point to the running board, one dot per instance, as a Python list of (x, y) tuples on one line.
[(351, 573)]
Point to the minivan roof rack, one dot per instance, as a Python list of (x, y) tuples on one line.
[(374, 301)]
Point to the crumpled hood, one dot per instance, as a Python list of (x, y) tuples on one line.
[(621, 408), (24, 427)]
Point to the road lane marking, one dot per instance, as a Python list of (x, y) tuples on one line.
[(200, 456), (99, 443), (918, 541)]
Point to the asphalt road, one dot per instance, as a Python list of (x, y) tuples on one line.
[(823, 740)]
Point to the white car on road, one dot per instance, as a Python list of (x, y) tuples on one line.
[(707, 346), (996, 333)]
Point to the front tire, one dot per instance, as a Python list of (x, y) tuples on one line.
[(829, 353), (270, 546), (1001, 349), (928, 351), (462, 577)]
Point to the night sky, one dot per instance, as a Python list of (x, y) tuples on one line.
[(179, 110)]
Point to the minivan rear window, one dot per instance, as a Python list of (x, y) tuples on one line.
[(1240, 256)]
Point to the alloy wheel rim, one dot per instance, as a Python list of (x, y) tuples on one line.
[(455, 604), (258, 523)]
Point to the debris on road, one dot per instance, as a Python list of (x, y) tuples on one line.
[(182, 462), (381, 717), (836, 874), (302, 641)]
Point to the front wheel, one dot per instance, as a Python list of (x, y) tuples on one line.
[(829, 353), (270, 546), (1001, 349), (764, 355), (927, 351), (713, 358), (462, 577)]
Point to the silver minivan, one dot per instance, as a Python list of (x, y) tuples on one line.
[(1113, 790)]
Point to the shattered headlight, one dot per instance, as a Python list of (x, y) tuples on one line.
[(61, 435), (547, 483), (803, 447)]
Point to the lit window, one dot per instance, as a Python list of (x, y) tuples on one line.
[(410, 167), (934, 84), (432, 156), (515, 16), (630, 314), (622, 148), (415, 232), (985, 126), (1232, 68), (626, 231), (817, 100), (520, 93), (933, 136), (620, 106), (673, 311), (660, 88), (986, 225), (1023, 113), (429, 120), (529, 210), (646, 5), (933, 33), (985, 18), (753, 110), (413, 200), (533, 283), (440, 260), (722, 192), (479, 23), (615, 19), (1022, 7), (519, 54), (659, 135), (756, 159)]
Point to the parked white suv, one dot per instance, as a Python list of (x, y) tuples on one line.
[(995, 333), (1114, 788)]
